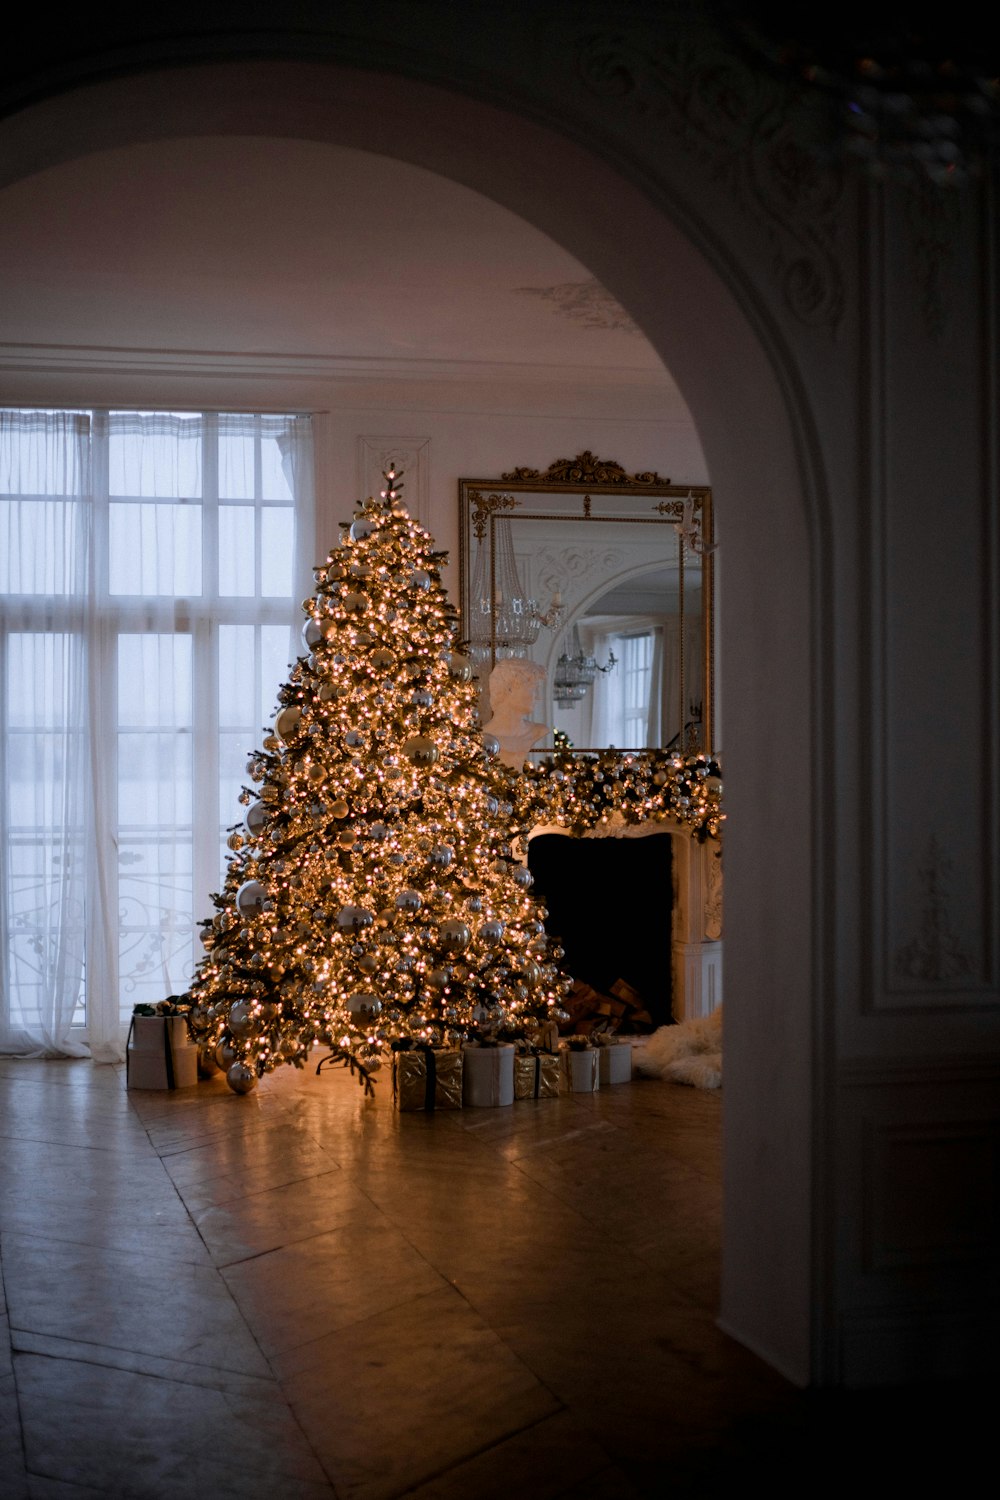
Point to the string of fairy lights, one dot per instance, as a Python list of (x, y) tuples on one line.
[(585, 791), (373, 893)]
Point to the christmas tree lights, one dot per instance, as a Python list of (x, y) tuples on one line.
[(375, 891)]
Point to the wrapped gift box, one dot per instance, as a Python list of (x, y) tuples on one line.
[(147, 1068), (582, 1069), (150, 1033), (488, 1075), (537, 1075), (427, 1078), (615, 1062)]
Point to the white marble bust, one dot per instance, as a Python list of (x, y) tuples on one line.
[(513, 688)]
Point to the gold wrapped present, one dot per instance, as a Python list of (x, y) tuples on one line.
[(427, 1078), (537, 1075)]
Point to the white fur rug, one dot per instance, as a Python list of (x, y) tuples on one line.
[(690, 1052)]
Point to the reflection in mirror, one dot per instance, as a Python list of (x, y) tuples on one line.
[(603, 580), (626, 652)]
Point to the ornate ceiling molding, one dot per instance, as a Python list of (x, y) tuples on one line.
[(750, 133), (584, 302)]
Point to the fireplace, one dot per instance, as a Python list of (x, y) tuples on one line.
[(640, 902)]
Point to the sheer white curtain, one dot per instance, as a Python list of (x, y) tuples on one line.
[(45, 534), (618, 714), (606, 725), (152, 668)]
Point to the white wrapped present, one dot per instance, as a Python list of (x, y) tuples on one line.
[(487, 1075), (615, 1062), (582, 1068)]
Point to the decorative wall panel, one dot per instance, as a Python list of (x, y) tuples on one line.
[(934, 795), (411, 456)]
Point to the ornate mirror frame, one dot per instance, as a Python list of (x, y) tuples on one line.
[(583, 491)]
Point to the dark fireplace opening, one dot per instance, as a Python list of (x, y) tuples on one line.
[(609, 903)]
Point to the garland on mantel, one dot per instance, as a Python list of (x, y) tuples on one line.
[(582, 791)]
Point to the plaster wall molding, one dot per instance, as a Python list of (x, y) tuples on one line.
[(411, 457), (80, 359), (934, 955), (585, 302), (747, 132), (935, 219)]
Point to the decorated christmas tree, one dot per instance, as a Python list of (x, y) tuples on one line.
[(374, 894)]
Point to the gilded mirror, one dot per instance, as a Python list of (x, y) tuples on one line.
[(604, 581)]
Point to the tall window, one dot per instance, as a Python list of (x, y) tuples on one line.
[(148, 587), (635, 686)]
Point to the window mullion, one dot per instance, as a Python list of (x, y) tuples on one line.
[(5, 846), (205, 682), (102, 630)]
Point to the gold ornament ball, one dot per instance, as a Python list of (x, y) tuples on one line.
[(420, 751), (459, 667), (287, 721), (363, 1004), (354, 918), (225, 1055), (455, 936), (239, 1018), (339, 808), (255, 818)]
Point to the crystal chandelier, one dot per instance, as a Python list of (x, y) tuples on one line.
[(575, 673), (506, 620)]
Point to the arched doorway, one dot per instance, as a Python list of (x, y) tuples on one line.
[(686, 293)]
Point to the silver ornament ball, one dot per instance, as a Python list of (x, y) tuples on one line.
[(241, 1079), (250, 897)]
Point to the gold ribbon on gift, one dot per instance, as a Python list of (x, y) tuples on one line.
[(536, 1075), (426, 1078)]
